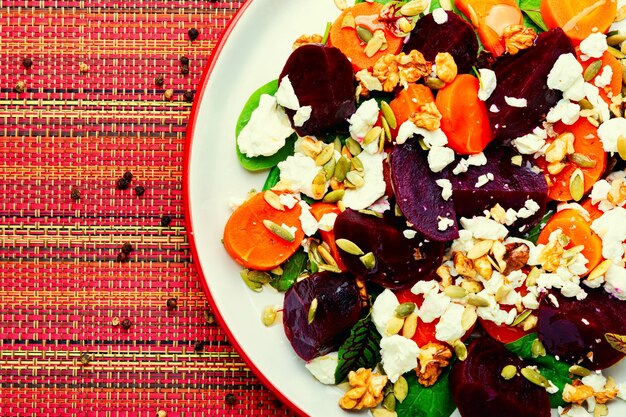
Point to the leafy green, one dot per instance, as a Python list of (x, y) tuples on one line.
[(360, 350), (377, 1), (261, 162), (533, 234), (291, 270), (532, 15), (551, 368), (434, 401), (272, 178)]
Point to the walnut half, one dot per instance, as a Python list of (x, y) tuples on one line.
[(432, 359), (366, 392)]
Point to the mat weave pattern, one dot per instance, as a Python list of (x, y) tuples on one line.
[(61, 285)]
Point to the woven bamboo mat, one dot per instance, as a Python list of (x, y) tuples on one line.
[(61, 285)]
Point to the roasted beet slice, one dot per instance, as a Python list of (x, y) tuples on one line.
[(399, 262), (479, 389), (322, 78), (338, 309), (576, 328), (525, 76), (455, 36), (511, 187), (418, 194)]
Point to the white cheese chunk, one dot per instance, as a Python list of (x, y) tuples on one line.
[(440, 157), (446, 188), (616, 281), (303, 114), (450, 327), (266, 131), (611, 227), (488, 84), (515, 102), (610, 131), (383, 310), (398, 355), (594, 46), (374, 187), (363, 119), (564, 111), (327, 222), (484, 228), (604, 78), (308, 222), (286, 96), (440, 16), (297, 173)]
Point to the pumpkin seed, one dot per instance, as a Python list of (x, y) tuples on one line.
[(394, 325), (277, 271), (410, 326), (389, 402), (337, 143), (621, 147), (422, 143), (357, 164), (312, 310), (349, 247), (601, 410), (329, 168), (460, 349), (616, 52), (592, 70), (371, 213), (372, 135), (469, 317), (577, 185), (508, 372), (260, 277), (364, 33), (616, 39), (480, 249), (314, 256), (582, 160), (401, 389), (585, 104), (368, 260), (279, 231), (355, 178), (563, 239), (325, 254), (348, 21), (579, 370), (269, 316), (521, 317), (325, 156), (383, 412), (318, 186), (386, 129), (341, 4), (477, 301), (599, 270), (538, 349), (454, 291), (533, 275), (254, 286), (333, 196), (273, 200), (535, 377), (381, 142), (397, 211), (434, 83), (341, 168), (353, 146), (413, 8), (329, 268), (405, 309), (377, 43), (388, 114)]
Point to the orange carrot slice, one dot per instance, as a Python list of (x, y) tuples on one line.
[(318, 210), (615, 87), (579, 18), (409, 100)]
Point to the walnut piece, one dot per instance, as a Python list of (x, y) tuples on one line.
[(443, 272), (427, 117), (577, 392), (392, 70), (516, 257), (432, 359), (518, 37), (550, 257), (464, 265), (366, 392), (609, 392), (446, 68), (307, 39), (617, 195), (483, 267)]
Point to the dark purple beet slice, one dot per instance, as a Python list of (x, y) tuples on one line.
[(455, 36), (576, 328), (417, 193), (400, 262), (338, 309), (511, 187), (479, 390), (322, 78), (525, 75)]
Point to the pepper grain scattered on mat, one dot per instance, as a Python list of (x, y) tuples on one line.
[(139, 190), (75, 194), (159, 80), (193, 34), (166, 220), (27, 62), (126, 324), (172, 303)]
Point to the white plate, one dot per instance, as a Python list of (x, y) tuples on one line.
[(251, 53)]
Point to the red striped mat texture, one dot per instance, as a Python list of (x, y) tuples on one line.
[(90, 112)]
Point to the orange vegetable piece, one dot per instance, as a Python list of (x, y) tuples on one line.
[(318, 210), (505, 333), (347, 40), (251, 244), (586, 143), (410, 100), (592, 209), (579, 18), (490, 18), (615, 87), (464, 116), (574, 226)]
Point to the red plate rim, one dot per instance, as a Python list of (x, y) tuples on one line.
[(193, 119)]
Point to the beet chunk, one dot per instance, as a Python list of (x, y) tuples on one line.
[(322, 78), (511, 187), (577, 328), (525, 76), (417, 193), (338, 309), (400, 262), (455, 36), (479, 390)]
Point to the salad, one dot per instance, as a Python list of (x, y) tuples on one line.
[(444, 207)]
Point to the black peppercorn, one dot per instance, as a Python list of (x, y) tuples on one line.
[(85, 358), (184, 69), (172, 303), (139, 190), (193, 34), (188, 96), (128, 176), (166, 220), (198, 347), (126, 324), (122, 184), (159, 80), (231, 399), (27, 63), (122, 257), (127, 248), (184, 60), (75, 194)]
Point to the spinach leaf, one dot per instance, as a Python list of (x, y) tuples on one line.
[(272, 178), (360, 350), (533, 234), (435, 401), (532, 15), (551, 368), (291, 269), (261, 162)]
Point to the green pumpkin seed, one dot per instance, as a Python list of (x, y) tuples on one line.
[(349, 247), (312, 310), (434, 83), (273, 200), (329, 168), (508, 372), (325, 156), (577, 185), (372, 135), (353, 146), (355, 178), (454, 291), (368, 260), (269, 316), (621, 147), (333, 196), (401, 389), (592, 70), (413, 8), (538, 349), (383, 412), (582, 160), (460, 349), (585, 104), (389, 402), (279, 231), (422, 143), (521, 317), (388, 114), (260, 277), (405, 309), (329, 268), (371, 213), (533, 275), (397, 211), (615, 38), (357, 164), (386, 129), (337, 143), (563, 239), (341, 168), (364, 33), (616, 53), (477, 301), (601, 410), (579, 371), (254, 286), (535, 377)]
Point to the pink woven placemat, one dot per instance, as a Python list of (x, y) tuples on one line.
[(62, 288)]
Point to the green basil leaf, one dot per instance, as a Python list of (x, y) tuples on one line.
[(533, 234), (261, 162), (434, 401), (291, 270), (272, 178), (360, 350), (532, 15)]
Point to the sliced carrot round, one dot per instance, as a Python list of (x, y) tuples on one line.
[(249, 242), (408, 101), (592, 209), (579, 18), (615, 86), (318, 210)]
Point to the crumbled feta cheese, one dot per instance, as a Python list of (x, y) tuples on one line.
[(266, 131), (484, 228), (484, 179), (616, 281), (610, 131), (432, 138), (478, 159), (288, 200), (309, 224), (488, 83), (440, 16), (604, 78), (398, 355), (286, 96), (595, 380), (611, 227), (530, 301), (599, 105), (434, 305), (446, 188), (303, 114), (574, 411), (323, 367), (450, 327), (566, 76), (494, 109), (532, 142), (381, 205), (593, 46), (493, 312), (440, 157), (530, 208), (405, 132), (383, 310), (599, 195), (374, 187), (516, 102), (363, 119), (444, 223), (235, 202), (464, 242), (574, 206), (297, 173), (327, 222), (409, 233), (564, 111), (425, 287)]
